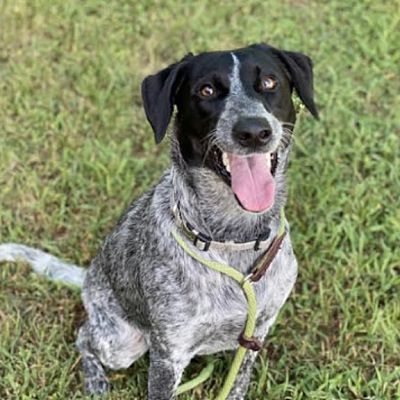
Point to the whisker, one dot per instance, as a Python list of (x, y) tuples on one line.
[(287, 137), (212, 141), (209, 135), (288, 124)]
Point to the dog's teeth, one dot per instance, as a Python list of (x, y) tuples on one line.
[(225, 161), (268, 157)]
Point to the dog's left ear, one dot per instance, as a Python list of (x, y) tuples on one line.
[(300, 68), (158, 95)]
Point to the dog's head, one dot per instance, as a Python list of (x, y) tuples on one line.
[(235, 115)]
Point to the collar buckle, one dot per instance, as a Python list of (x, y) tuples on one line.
[(202, 241)]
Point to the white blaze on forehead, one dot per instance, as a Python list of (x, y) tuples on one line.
[(236, 87)]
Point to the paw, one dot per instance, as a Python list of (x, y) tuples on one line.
[(97, 385), (236, 397), (238, 394)]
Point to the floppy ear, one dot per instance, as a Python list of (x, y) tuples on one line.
[(158, 95), (300, 70)]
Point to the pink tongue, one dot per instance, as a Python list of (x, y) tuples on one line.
[(252, 181)]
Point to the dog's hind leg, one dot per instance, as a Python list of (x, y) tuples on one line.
[(96, 381), (106, 340)]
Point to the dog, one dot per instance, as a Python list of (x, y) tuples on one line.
[(230, 148)]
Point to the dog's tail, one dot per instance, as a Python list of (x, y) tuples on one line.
[(43, 263)]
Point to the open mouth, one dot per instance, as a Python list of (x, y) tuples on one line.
[(250, 177)]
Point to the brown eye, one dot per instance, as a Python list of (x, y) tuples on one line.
[(207, 91), (268, 83)]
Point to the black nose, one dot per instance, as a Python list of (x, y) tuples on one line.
[(252, 132)]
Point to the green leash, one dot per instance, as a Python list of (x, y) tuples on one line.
[(249, 329), (205, 373)]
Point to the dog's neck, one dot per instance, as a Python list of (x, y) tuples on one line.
[(208, 204)]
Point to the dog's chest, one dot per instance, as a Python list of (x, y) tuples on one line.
[(219, 306)]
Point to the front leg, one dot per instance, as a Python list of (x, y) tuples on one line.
[(165, 372), (242, 381)]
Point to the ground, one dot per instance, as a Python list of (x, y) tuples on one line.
[(75, 148)]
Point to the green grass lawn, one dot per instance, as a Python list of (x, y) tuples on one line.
[(75, 148)]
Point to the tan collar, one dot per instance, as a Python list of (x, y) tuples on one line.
[(204, 242)]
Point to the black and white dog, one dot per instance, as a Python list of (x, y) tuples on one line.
[(230, 149)]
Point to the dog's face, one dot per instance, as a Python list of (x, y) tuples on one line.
[(235, 115)]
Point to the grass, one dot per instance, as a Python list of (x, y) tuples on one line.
[(75, 149)]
